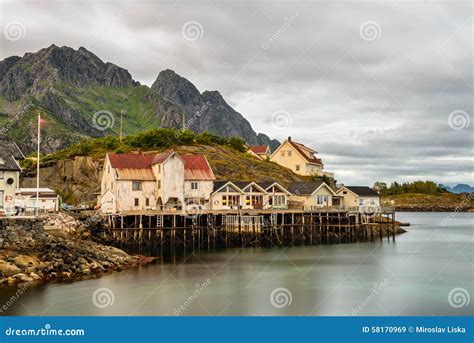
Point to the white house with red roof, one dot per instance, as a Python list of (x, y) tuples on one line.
[(299, 158), (260, 151), (163, 181)]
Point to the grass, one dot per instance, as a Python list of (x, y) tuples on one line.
[(441, 200)]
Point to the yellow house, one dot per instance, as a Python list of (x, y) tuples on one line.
[(299, 158), (360, 198), (313, 195), (260, 151)]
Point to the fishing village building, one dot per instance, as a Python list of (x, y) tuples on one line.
[(9, 173), (137, 182), (168, 181), (299, 159), (312, 195), (260, 151), (358, 197)]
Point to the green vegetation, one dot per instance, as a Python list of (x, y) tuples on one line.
[(139, 111), (420, 187), (156, 139)]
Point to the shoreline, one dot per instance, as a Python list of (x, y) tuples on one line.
[(32, 253)]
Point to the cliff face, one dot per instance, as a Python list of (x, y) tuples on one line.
[(81, 96), (77, 180)]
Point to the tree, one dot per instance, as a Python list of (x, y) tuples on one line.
[(237, 144)]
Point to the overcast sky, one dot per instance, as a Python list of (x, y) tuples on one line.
[(381, 91)]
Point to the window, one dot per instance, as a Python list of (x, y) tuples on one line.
[(108, 169), (159, 168), (136, 186), (159, 184), (278, 200), (344, 192), (230, 200), (147, 202), (282, 153), (2, 174), (289, 153), (322, 199), (361, 202), (297, 167), (194, 185), (137, 202)]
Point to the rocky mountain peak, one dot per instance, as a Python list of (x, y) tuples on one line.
[(30, 74), (207, 111), (175, 88)]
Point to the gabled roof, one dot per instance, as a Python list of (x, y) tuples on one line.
[(307, 188), (131, 160), (361, 191), (218, 185), (268, 184), (9, 153), (300, 147), (259, 149), (196, 167), (162, 156), (244, 184)]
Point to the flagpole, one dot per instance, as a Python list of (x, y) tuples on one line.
[(38, 165)]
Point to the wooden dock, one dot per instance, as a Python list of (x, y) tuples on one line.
[(174, 230)]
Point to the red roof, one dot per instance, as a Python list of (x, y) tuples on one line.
[(196, 167), (259, 149), (299, 147), (131, 160), (161, 157)]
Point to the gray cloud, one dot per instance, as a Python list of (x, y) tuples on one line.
[(374, 109)]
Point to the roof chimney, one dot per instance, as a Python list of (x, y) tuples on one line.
[(289, 138)]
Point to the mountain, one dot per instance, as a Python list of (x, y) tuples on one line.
[(80, 96), (459, 188), (207, 111)]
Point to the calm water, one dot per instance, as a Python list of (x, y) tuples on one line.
[(411, 276)]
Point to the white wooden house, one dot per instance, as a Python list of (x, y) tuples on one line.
[(277, 195), (163, 181), (9, 173), (25, 199), (226, 196)]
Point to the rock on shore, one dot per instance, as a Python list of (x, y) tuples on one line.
[(58, 251)]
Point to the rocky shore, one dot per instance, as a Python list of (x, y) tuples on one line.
[(57, 248)]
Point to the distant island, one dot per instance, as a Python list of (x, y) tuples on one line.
[(459, 188)]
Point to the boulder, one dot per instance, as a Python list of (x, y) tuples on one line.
[(8, 269)]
